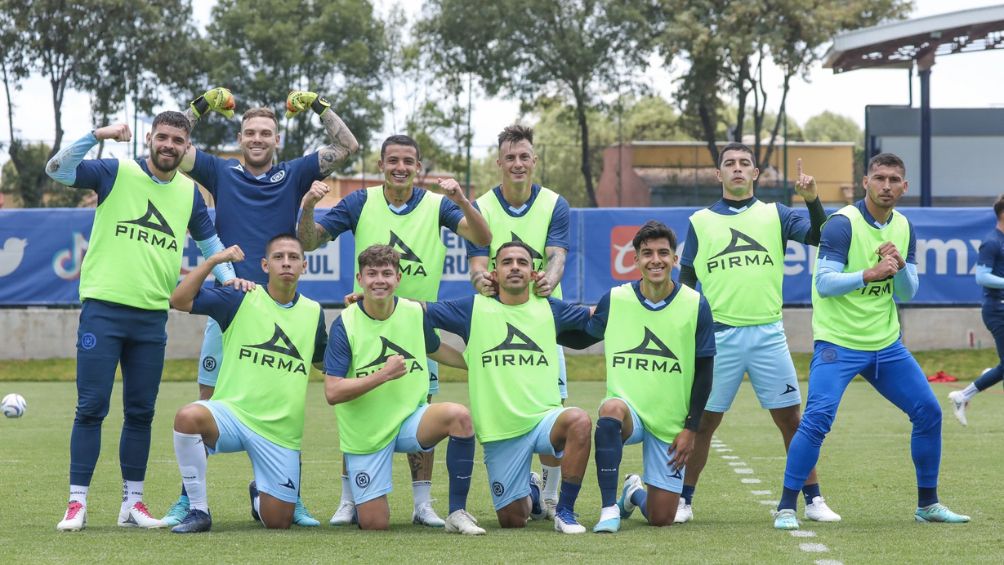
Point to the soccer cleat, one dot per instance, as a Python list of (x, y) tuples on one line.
[(550, 507), (195, 521), (566, 523), (345, 515), (253, 493), (75, 518), (425, 515), (536, 481), (631, 484), (938, 512), (684, 512), (177, 513), (608, 526), (785, 520), (460, 522), (137, 516), (818, 511), (302, 517), (959, 405)]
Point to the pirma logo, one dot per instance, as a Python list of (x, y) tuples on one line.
[(622, 267), (389, 348), (742, 251), (279, 344), (414, 266), (529, 354), (145, 225), (638, 357)]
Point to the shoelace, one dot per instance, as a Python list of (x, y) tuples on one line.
[(141, 508), (567, 516), (72, 509)]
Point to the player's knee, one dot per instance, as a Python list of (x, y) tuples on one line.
[(512, 520), (374, 522), (139, 417), (580, 426), (613, 409), (91, 411), (926, 414), (660, 521), (460, 421), (186, 420)]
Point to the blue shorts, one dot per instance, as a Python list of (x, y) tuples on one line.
[(654, 457), (761, 351), (212, 354), (370, 474), (562, 377), (508, 460), (433, 377), (276, 468)]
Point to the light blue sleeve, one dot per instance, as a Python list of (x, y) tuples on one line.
[(224, 271), (832, 281), (985, 277), (62, 168), (905, 283)]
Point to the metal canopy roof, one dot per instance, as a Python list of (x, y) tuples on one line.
[(898, 44)]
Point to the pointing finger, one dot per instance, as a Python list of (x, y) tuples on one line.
[(798, 165)]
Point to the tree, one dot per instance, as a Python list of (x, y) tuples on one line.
[(829, 126), (262, 49), (731, 45), (575, 50)]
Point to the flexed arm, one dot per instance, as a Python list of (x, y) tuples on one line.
[(343, 143)]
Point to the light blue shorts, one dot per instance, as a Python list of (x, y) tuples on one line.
[(562, 378), (761, 351), (433, 377), (370, 474), (508, 460), (212, 354), (654, 457), (276, 468)]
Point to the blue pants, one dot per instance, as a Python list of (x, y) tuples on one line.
[(110, 334), (993, 318), (895, 375)]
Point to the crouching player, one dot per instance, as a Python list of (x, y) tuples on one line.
[(378, 379), (270, 337), (660, 351)]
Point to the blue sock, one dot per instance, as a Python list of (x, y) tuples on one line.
[(688, 493), (926, 496), (640, 499), (566, 498), (990, 378), (534, 499), (810, 492), (609, 449), (789, 499), (460, 466)]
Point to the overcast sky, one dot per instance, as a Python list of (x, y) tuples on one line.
[(956, 81)]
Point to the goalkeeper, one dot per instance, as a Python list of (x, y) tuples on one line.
[(257, 199)]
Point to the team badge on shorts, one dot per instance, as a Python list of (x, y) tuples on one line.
[(88, 341), (362, 480), (209, 363), (497, 488), (828, 355)]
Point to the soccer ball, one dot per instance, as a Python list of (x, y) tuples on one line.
[(14, 405)]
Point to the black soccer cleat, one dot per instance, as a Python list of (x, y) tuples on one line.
[(253, 493), (195, 521)]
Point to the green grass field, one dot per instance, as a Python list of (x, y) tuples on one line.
[(865, 472)]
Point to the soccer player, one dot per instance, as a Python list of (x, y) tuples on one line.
[(256, 199), (989, 275), (866, 257), (512, 366), (660, 351), (377, 379), (410, 220), (736, 248), (133, 260), (518, 210), (271, 336)]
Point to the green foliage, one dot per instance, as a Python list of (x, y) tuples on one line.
[(829, 126)]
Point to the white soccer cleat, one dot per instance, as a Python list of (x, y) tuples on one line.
[(426, 516), (959, 405), (345, 515), (460, 522), (550, 506), (685, 513), (75, 518), (632, 483), (137, 516), (565, 522), (818, 511)]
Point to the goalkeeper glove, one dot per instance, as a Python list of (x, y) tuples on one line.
[(299, 100), (218, 99)]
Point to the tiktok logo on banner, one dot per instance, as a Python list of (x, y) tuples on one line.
[(66, 263)]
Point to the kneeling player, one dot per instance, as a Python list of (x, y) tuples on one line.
[(378, 378), (660, 350), (270, 336)]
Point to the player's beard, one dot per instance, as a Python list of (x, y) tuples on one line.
[(266, 159), (166, 163)]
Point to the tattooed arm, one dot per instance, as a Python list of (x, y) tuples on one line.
[(553, 272), (343, 143)]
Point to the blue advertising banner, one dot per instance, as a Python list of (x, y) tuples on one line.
[(41, 252)]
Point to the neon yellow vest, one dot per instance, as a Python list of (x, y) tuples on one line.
[(267, 352), (134, 254), (650, 357), (371, 421), (415, 235), (740, 263), (531, 228), (864, 319), (512, 365)]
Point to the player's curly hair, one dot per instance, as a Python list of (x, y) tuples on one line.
[(516, 133), (653, 229), (173, 119), (378, 256)]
